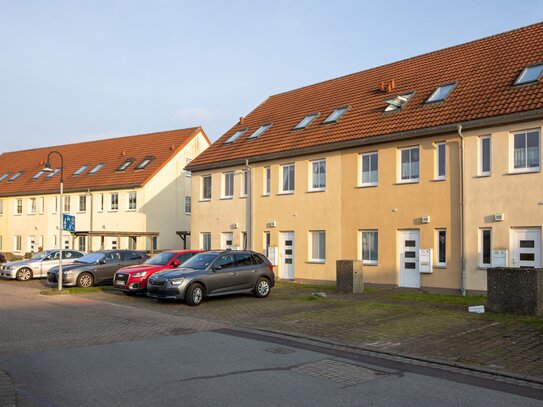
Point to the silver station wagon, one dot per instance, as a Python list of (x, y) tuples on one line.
[(39, 265)]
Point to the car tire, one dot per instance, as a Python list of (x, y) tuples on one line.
[(262, 287), (24, 274), (195, 294), (85, 280)]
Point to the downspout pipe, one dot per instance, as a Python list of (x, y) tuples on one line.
[(462, 211), (249, 205), (89, 193)]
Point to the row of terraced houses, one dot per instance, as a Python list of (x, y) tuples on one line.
[(428, 170)]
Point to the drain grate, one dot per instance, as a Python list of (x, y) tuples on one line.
[(280, 351), (339, 372)]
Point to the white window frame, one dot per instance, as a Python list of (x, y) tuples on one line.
[(481, 247), (17, 243), (245, 181), (132, 201), (439, 146), (281, 176), (437, 252), (188, 205), (101, 203), (19, 206), (482, 172), (82, 198), (1, 207), (315, 239), (67, 203), (361, 171), (203, 236), (407, 180), (368, 261), (266, 241), (41, 206), (526, 169), (312, 174), (225, 176), (203, 197), (113, 207), (32, 206), (267, 181), (55, 204)]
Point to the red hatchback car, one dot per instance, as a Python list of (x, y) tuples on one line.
[(133, 279)]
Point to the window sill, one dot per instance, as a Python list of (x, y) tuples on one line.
[(367, 186), (438, 179), (523, 172), (130, 210), (225, 198), (188, 214), (81, 212), (415, 181), (316, 261), (30, 214), (265, 195), (286, 193), (483, 267), (370, 264), (205, 200), (482, 176), (243, 197), (17, 214), (440, 266), (113, 211), (316, 190)]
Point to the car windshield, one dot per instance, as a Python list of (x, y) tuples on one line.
[(90, 258), (161, 259), (200, 261), (40, 255)]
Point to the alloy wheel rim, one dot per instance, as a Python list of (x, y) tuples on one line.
[(197, 295), (85, 281), (25, 274), (263, 288)]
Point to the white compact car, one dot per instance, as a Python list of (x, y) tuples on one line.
[(39, 265)]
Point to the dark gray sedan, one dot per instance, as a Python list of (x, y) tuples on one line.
[(214, 273), (96, 268)]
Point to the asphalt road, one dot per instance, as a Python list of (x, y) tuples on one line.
[(72, 351)]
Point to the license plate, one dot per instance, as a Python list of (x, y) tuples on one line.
[(119, 282)]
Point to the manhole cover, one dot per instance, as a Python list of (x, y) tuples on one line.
[(280, 351), (339, 372)]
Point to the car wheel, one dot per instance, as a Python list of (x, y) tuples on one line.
[(85, 280), (262, 288), (24, 274), (195, 294)]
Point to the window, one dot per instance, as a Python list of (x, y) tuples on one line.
[(287, 182), (235, 136), (370, 246), (82, 203), (226, 261), (114, 201), (409, 164), (187, 205), (398, 102), (441, 247), (55, 204), (3, 177), (267, 179), (244, 240), (335, 115), (267, 242), (206, 241), (244, 259), (206, 187), (441, 93), (81, 169), (441, 150), (306, 121), (41, 206), (19, 206), (526, 151), (187, 172), (228, 185), (132, 200), (82, 243), (370, 167), (145, 162), (484, 155), (125, 165), (227, 240), (17, 243), (66, 203), (485, 248), (52, 174), (32, 206), (246, 177), (155, 242), (15, 176), (39, 174), (101, 203), (318, 246), (259, 132), (530, 74), (318, 175), (1, 206), (97, 168)]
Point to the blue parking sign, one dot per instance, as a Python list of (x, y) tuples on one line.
[(68, 223)]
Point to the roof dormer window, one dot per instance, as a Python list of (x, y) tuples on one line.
[(16, 175), (125, 165), (398, 102), (3, 177), (81, 169), (530, 74), (441, 93), (260, 130), (39, 174), (235, 136), (306, 121), (335, 115), (97, 168), (145, 162), (53, 173)]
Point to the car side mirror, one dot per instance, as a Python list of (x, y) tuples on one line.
[(175, 263), (216, 268)]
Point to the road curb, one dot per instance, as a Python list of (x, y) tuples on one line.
[(7, 390)]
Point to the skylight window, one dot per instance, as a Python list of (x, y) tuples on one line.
[(81, 169), (398, 102), (306, 121), (530, 74), (235, 136), (3, 177), (39, 174), (52, 174), (126, 164), (16, 175), (335, 115), (145, 163), (441, 93), (96, 169), (260, 130)]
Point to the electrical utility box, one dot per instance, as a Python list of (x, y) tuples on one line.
[(425, 260), (500, 258)]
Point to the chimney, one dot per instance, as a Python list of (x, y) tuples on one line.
[(241, 120), (382, 87)]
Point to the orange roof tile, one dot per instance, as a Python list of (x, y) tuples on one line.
[(484, 71), (112, 152)]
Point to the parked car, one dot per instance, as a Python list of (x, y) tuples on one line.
[(133, 279), (39, 265), (214, 273), (96, 268)]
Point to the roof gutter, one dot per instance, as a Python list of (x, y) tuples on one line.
[(87, 190), (446, 128)]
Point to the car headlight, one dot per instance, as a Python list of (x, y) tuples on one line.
[(140, 274), (177, 281), (11, 267), (67, 272)]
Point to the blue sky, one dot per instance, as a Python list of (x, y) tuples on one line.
[(73, 71)]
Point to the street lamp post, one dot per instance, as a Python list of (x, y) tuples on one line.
[(61, 220)]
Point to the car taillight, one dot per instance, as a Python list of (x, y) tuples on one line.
[(270, 267)]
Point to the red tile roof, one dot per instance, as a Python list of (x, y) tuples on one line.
[(484, 71), (112, 152)]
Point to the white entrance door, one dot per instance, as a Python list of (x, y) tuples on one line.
[(286, 269), (409, 258), (227, 240), (526, 245)]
